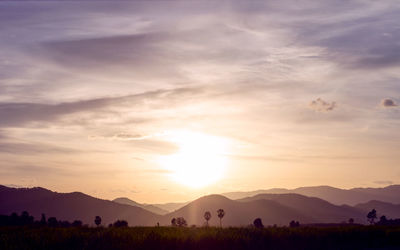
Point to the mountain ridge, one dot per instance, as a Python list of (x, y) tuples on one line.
[(71, 206), (333, 195), (277, 209)]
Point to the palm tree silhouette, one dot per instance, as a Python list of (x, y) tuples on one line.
[(371, 216), (207, 216), (97, 220), (221, 214)]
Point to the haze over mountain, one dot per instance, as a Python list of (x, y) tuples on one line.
[(171, 206), (272, 209), (319, 210), (383, 208), (151, 208), (334, 195), (237, 213)]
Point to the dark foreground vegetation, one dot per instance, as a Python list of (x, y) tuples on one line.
[(24, 232), (348, 237)]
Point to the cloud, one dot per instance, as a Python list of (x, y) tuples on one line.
[(35, 170), (322, 106), (152, 143), (388, 103), (30, 148), (123, 136), (384, 182), (20, 114), (363, 36), (138, 55), (14, 186)]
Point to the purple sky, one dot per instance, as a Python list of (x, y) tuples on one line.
[(92, 94)]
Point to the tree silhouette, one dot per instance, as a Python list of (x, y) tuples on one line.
[(294, 224), (64, 223), (173, 222), (371, 216), (26, 219), (77, 223), (207, 216), (351, 221), (383, 220), (258, 223), (221, 214), (120, 223), (181, 222), (97, 220), (388, 222)]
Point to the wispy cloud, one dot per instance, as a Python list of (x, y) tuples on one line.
[(384, 182), (322, 106), (21, 114), (33, 149)]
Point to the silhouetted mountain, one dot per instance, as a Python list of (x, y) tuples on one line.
[(317, 209), (280, 210), (271, 208), (383, 208), (151, 208), (70, 206), (334, 195)]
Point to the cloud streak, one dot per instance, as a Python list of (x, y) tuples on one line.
[(21, 114), (33, 149), (322, 106)]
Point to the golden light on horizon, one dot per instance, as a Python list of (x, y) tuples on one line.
[(200, 160)]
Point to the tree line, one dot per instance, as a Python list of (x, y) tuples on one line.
[(25, 219)]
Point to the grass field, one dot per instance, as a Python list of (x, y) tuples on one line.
[(353, 237)]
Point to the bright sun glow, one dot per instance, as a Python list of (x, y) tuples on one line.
[(200, 160)]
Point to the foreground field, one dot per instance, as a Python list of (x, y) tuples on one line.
[(352, 237)]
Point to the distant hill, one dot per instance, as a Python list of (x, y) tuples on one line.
[(317, 209), (391, 211), (277, 209), (151, 208), (237, 213), (171, 206), (334, 195), (70, 206)]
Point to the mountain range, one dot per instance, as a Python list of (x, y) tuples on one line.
[(241, 207), (333, 195)]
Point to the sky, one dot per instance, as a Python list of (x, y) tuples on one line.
[(165, 101)]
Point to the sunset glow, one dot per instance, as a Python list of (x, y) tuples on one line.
[(200, 160), (164, 101), (187, 124)]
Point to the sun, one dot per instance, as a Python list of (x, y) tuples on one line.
[(200, 161)]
